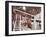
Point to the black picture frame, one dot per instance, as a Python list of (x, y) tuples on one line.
[(7, 18)]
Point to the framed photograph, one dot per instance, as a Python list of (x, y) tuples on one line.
[(24, 18)]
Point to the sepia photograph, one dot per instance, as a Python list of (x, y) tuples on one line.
[(25, 18)]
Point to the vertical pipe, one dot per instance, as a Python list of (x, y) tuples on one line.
[(15, 22), (20, 23)]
